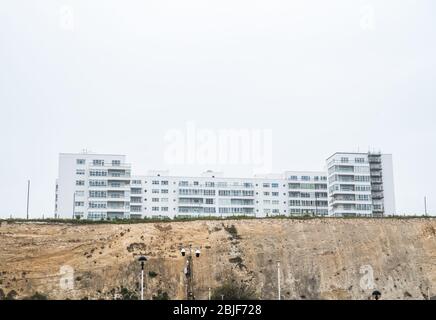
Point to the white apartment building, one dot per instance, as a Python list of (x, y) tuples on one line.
[(95, 186), (160, 195), (92, 186), (360, 184)]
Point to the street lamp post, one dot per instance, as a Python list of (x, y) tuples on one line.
[(278, 279), (28, 193), (189, 271), (74, 205), (142, 260)]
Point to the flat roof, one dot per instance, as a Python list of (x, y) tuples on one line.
[(91, 154)]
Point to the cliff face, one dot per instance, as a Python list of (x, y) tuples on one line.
[(319, 258)]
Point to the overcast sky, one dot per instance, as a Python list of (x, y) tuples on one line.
[(116, 76)]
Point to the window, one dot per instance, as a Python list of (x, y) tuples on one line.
[(164, 191), (266, 193), (266, 185), (155, 191), (155, 200), (135, 190), (98, 173), (97, 183), (275, 194), (294, 203), (97, 194), (136, 181), (98, 162), (80, 182), (344, 160), (360, 160), (209, 201), (155, 182), (155, 209), (274, 185), (275, 202), (79, 204), (97, 205), (305, 178), (80, 161), (116, 163), (164, 183), (135, 209), (80, 171), (164, 209)]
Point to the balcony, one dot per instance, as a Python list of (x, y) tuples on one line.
[(378, 196), (374, 159), (376, 174), (111, 166), (118, 177), (375, 166), (376, 180), (118, 199), (115, 186)]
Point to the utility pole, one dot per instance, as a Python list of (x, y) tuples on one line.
[(74, 204), (189, 272), (28, 192), (142, 260), (425, 205), (190, 276), (278, 279)]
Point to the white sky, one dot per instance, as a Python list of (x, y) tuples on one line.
[(115, 76)]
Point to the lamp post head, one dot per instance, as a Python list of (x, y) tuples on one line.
[(142, 260), (183, 252), (376, 295), (197, 253)]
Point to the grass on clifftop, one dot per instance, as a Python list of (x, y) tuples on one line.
[(186, 219)]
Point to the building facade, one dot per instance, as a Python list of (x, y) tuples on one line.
[(360, 184), (94, 186)]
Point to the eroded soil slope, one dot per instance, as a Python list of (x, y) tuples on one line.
[(320, 258)]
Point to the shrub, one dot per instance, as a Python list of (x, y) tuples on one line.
[(161, 295), (11, 295), (127, 294), (37, 296), (152, 274), (232, 231), (233, 290)]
